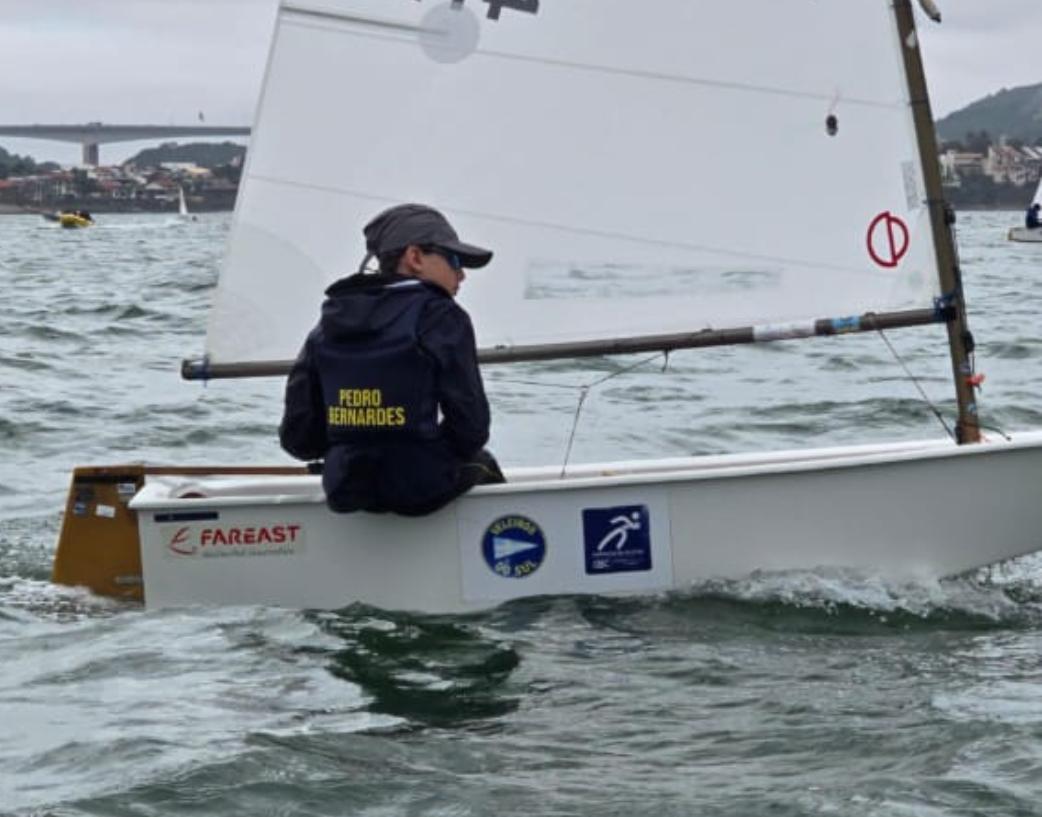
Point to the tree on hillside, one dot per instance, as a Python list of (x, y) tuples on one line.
[(978, 141), (13, 165)]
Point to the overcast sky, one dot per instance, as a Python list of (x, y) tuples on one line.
[(166, 61)]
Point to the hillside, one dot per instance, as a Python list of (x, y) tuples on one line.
[(203, 154), (14, 165), (1014, 112)]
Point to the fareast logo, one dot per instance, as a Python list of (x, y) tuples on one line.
[(179, 543), (207, 541)]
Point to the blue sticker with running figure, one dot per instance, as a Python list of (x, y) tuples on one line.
[(617, 540), (514, 546)]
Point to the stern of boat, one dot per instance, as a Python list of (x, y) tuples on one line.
[(99, 546)]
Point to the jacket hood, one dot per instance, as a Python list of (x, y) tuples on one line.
[(363, 304)]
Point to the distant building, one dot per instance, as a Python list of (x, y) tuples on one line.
[(958, 165), (1003, 164)]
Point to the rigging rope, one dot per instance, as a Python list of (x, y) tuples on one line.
[(917, 384), (974, 379), (584, 391)]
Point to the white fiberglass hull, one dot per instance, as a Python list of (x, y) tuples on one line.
[(912, 509), (1024, 234)]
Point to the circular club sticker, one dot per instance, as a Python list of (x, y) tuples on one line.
[(513, 546)]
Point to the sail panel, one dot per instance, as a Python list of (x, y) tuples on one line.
[(638, 168)]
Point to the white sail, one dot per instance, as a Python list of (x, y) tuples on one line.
[(182, 205), (1023, 232), (670, 165), (1037, 198)]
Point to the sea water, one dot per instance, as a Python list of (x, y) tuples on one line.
[(794, 694)]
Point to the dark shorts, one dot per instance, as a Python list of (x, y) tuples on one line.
[(413, 479)]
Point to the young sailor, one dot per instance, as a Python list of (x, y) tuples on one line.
[(386, 389), (1031, 217)]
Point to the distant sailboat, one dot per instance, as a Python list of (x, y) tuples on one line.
[(1025, 233), (182, 205)]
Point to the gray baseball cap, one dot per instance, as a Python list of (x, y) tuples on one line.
[(406, 224)]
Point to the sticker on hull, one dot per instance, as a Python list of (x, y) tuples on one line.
[(191, 539), (513, 546), (617, 540)]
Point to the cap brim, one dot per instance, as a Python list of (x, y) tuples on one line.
[(469, 255)]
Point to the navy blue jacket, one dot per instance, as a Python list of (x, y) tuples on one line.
[(400, 453)]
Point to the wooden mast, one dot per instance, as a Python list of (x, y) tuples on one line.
[(941, 219)]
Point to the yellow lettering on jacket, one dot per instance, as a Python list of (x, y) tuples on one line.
[(368, 417), (361, 398)]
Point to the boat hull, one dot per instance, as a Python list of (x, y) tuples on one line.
[(72, 221), (908, 510), (1025, 235)]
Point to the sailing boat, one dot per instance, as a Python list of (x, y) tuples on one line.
[(182, 205), (627, 141), (1024, 233)]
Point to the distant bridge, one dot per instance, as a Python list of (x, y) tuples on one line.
[(95, 133)]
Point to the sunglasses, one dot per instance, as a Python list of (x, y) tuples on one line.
[(451, 258)]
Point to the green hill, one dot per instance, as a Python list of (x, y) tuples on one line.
[(1015, 113), (203, 154), (14, 165)]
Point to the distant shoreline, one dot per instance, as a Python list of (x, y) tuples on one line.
[(18, 210)]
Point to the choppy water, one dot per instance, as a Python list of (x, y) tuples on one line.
[(798, 694)]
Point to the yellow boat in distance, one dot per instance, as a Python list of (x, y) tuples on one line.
[(70, 218), (75, 218)]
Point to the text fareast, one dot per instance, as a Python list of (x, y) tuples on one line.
[(250, 535)]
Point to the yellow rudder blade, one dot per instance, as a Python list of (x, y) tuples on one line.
[(99, 547)]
